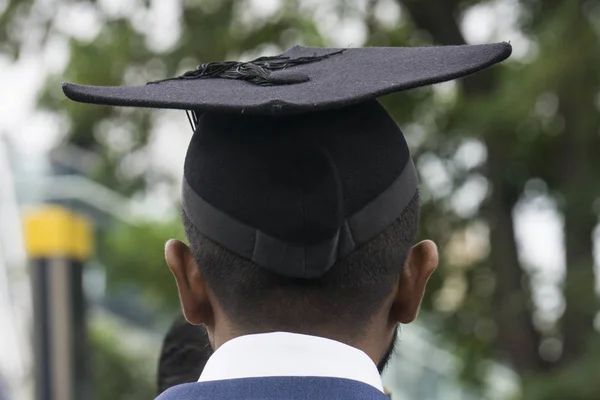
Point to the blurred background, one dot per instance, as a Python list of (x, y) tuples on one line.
[(508, 161)]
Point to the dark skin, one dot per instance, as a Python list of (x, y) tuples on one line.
[(401, 307)]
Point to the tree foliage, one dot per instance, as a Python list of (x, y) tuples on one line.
[(115, 372), (135, 254), (532, 123)]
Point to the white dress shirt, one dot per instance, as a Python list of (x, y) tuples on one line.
[(289, 354)]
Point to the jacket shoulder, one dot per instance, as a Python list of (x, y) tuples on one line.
[(275, 388)]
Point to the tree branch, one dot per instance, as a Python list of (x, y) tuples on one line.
[(436, 17)]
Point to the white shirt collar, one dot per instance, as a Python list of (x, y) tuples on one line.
[(289, 354)]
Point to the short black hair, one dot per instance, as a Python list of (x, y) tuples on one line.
[(347, 296), (184, 353)]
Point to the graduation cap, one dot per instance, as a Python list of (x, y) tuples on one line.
[(293, 163)]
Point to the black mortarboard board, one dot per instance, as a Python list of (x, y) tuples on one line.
[(293, 163)]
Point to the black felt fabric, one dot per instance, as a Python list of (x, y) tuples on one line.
[(295, 175), (356, 75), (296, 178)]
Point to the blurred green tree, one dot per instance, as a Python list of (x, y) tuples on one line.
[(136, 254), (534, 123), (501, 108), (115, 372)]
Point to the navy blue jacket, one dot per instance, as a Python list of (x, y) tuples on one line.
[(275, 388)]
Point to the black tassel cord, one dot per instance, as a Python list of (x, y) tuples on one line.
[(257, 71)]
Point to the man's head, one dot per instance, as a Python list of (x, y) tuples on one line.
[(359, 301), (184, 354), (302, 223), (295, 168)]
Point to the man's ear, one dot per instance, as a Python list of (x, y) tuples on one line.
[(191, 285), (421, 262)]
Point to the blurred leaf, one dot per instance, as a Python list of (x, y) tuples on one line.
[(135, 254), (117, 373)]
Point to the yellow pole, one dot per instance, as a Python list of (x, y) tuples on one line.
[(58, 242)]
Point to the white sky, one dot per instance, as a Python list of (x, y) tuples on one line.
[(537, 223)]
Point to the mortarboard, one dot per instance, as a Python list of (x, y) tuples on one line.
[(293, 163)]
